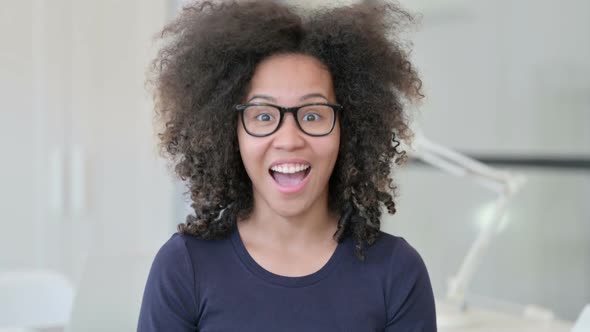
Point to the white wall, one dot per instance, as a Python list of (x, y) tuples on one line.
[(18, 134), (516, 71), (509, 77), (76, 105)]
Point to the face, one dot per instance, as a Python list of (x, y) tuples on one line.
[(289, 169)]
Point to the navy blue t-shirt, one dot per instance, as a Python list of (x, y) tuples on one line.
[(216, 286)]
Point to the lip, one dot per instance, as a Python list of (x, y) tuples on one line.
[(294, 189), (289, 161)]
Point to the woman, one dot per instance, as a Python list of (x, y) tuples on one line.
[(283, 123)]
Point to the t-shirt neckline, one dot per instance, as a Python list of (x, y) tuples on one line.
[(281, 280)]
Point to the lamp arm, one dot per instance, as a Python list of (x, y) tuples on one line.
[(501, 182)]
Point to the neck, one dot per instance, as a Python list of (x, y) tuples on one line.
[(314, 225)]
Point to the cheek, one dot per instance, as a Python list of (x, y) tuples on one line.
[(245, 149), (335, 141), (251, 150), (329, 148)]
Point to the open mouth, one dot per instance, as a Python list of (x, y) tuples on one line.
[(289, 175)]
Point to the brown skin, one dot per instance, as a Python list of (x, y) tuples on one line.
[(290, 234), (211, 53)]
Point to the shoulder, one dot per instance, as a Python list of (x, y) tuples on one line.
[(176, 251), (408, 291), (178, 256), (399, 264), (170, 297), (172, 262), (395, 262), (175, 246), (181, 250), (395, 253)]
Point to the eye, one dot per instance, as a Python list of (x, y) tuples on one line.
[(264, 117), (311, 117)]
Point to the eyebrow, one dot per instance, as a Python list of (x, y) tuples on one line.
[(272, 99)]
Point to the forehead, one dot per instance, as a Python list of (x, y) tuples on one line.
[(290, 76)]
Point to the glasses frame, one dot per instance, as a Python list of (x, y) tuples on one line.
[(293, 110)]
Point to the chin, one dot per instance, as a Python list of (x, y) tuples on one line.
[(288, 209)]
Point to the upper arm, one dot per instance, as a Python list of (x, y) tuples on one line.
[(410, 300), (169, 300)]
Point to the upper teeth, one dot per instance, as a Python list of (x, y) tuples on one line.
[(289, 168)]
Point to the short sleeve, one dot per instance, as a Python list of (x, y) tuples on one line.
[(410, 300), (169, 299)]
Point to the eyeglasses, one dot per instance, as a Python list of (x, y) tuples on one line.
[(262, 119)]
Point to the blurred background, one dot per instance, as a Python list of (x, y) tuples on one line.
[(85, 200)]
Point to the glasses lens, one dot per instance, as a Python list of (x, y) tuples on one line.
[(316, 119), (261, 120)]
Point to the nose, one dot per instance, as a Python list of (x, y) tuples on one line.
[(289, 136)]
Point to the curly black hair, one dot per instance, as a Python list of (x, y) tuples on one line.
[(210, 52)]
